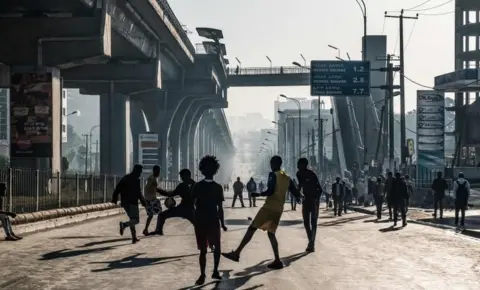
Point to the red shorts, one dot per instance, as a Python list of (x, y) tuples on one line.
[(207, 236)]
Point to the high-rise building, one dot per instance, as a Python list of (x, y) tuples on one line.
[(64, 115)]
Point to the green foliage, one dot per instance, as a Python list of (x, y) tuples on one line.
[(65, 164), (4, 161)]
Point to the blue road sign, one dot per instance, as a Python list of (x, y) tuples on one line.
[(339, 78)]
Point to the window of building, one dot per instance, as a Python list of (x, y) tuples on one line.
[(64, 128), (64, 112)]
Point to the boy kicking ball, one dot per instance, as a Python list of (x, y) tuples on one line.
[(208, 196)]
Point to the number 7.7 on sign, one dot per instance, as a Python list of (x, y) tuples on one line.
[(359, 91)]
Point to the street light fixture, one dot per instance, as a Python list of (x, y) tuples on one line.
[(335, 48), (299, 122), (239, 62), (304, 60), (269, 61), (73, 113)]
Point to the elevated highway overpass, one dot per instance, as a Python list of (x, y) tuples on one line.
[(136, 56)]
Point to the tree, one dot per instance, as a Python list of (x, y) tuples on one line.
[(65, 164)]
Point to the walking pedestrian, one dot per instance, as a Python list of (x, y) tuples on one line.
[(338, 194), (154, 206), (388, 187), (439, 185), (251, 188), (461, 189), (398, 196), (378, 196)]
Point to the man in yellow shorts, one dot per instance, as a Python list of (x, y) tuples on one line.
[(268, 217)]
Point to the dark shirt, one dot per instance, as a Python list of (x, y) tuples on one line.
[(308, 181), (251, 186), (238, 187), (184, 190), (130, 190), (398, 190), (341, 190), (208, 197), (439, 185)]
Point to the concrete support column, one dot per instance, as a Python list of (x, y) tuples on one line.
[(31, 146), (114, 132), (192, 141)]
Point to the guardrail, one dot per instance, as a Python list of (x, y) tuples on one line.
[(276, 70), (176, 23), (37, 190)]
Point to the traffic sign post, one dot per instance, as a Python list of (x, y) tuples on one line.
[(339, 78)]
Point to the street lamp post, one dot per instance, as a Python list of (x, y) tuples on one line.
[(363, 8), (299, 123), (283, 125), (293, 134)]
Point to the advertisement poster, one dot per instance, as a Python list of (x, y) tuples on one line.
[(31, 115), (430, 132), (148, 151)]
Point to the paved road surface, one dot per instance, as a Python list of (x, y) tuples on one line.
[(352, 253)]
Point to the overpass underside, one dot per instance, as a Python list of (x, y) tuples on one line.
[(135, 56)]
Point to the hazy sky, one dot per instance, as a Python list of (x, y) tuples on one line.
[(284, 29)]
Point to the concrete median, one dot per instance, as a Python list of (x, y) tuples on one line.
[(48, 219)]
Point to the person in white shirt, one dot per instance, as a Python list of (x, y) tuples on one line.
[(461, 191)]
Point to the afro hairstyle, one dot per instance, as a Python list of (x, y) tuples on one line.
[(209, 165)]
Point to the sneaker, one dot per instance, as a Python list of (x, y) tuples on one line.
[(232, 256), (145, 232), (404, 224), (135, 240), (200, 280), (276, 265), (158, 233), (10, 238), (310, 248), (122, 228), (216, 275), (17, 237)]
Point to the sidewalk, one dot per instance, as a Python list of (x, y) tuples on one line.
[(425, 217)]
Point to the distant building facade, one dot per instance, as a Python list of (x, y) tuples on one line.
[(64, 115)]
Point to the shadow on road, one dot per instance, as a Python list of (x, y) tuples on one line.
[(135, 262), (246, 222), (341, 220), (377, 221), (390, 229), (79, 237), (241, 278), (67, 253), (91, 244)]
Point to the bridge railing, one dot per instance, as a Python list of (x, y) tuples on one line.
[(176, 23), (276, 70), (37, 190)]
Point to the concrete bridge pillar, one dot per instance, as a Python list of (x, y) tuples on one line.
[(35, 142), (114, 133)]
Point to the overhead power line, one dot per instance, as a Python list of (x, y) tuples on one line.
[(419, 5), (434, 7)]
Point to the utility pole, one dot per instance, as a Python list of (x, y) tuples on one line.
[(308, 145), (86, 136), (313, 143), (403, 133), (389, 94)]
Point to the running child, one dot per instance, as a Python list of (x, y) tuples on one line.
[(208, 196), (268, 217)]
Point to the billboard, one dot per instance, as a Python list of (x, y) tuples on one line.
[(31, 115), (148, 151), (430, 131)]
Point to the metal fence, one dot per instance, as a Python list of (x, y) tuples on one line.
[(37, 190)]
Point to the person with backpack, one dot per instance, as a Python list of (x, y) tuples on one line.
[(251, 188), (439, 185), (461, 191)]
